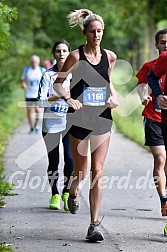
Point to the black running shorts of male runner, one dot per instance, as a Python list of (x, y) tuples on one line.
[(31, 102), (153, 133)]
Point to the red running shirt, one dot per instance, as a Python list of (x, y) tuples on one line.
[(149, 110), (159, 68)]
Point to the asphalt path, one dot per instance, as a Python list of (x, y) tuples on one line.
[(132, 220)]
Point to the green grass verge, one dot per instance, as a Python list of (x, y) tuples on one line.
[(131, 126), (11, 116), (5, 249)]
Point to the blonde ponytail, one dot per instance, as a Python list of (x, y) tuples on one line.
[(76, 17)]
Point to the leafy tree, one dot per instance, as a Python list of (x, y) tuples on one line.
[(129, 30), (7, 15)]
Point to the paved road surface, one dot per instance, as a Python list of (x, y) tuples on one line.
[(132, 220)]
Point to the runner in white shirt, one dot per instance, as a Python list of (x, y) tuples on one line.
[(54, 119), (54, 125), (30, 82)]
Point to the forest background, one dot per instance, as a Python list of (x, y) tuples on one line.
[(30, 27)]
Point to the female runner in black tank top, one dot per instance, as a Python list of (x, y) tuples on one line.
[(91, 118), (89, 96)]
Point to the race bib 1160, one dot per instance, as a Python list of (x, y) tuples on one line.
[(94, 96)]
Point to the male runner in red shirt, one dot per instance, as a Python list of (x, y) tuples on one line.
[(152, 120)]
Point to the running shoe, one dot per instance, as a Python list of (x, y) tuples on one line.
[(164, 207), (94, 233), (73, 204), (65, 197), (165, 230), (55, 202)]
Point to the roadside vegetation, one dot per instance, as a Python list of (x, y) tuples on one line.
[(131, 126), (7, 15), (11, 116), (127, 116), (4, 248)]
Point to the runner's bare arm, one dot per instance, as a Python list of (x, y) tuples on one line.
[(23, 84), (143, 92), (113, 99), (69, 65), (66, 69)]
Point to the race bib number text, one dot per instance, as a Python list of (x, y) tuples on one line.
[(94, 96)]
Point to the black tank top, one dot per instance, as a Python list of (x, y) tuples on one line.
[(84, 75), (89, 75), (102, 67)]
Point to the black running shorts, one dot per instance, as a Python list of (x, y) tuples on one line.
[(153, 133)]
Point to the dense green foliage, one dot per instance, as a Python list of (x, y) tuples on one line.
[(7, 15), (40, 23)]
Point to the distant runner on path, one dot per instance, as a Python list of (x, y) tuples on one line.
[(30, 83)]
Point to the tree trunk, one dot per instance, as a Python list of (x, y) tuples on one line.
[(150, 31)]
